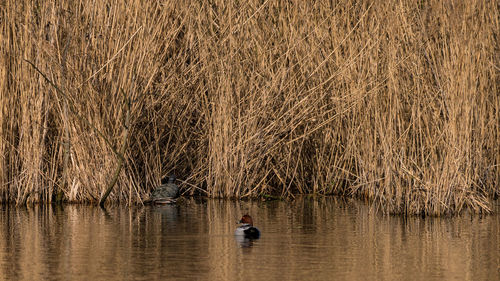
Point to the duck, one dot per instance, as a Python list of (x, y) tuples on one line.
[(166, 193), (246, 229)]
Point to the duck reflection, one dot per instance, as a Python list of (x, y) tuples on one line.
[(244, 242)]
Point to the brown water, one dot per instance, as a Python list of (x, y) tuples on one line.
[(307, 239)]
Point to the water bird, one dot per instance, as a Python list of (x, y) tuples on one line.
[(166, 193), (246, 229)]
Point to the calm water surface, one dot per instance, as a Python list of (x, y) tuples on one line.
[(305, 239)]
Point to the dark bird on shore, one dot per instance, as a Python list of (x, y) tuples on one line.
[(166, 193)]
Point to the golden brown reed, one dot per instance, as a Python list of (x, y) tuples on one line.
[(396, 101)]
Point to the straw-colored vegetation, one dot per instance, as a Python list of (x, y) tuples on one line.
[(393, 101)]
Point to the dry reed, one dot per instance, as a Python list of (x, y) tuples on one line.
[(396, 101)]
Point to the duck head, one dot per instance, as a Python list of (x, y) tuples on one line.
[(246, 219)]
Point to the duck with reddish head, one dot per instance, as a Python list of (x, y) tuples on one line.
[(246, 229)]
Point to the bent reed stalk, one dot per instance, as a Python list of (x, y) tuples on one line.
[(395, 102)]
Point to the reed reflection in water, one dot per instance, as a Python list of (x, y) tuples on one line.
[(304, 239)]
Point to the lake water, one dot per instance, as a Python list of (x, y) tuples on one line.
[(306, 239)]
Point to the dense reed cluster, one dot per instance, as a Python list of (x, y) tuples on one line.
[(392, 101)]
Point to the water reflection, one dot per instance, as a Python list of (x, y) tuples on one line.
[(301, 240), (243, 241)]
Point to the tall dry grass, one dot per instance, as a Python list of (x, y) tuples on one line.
[(396, 101)]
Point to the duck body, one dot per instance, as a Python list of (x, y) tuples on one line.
[(166, 193), (246, 229)]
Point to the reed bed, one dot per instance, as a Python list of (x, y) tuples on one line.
[(395, 102)]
